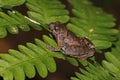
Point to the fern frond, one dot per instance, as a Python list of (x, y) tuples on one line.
[(39, 11), (10, 3), (93, 72), (45, 12), (12, 21), (93, 23), (109, 70), (30, 58), (113, 60), (17, 64)]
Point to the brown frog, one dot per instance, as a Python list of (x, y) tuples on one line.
[(70, 44)]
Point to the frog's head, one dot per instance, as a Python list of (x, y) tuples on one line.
[(89, 43), (55, 26), (90, 46)]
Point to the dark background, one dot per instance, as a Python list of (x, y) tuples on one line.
[(64, 69)]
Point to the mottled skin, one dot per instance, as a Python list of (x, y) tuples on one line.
[(70, 44)]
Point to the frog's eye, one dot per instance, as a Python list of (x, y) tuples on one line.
[(89, 43)]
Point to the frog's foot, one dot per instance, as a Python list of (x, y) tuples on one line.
[(53, 49)]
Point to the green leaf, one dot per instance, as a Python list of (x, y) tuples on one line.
[(110, 67), (17, 64), (19, 73), (3, 32), (75, 29), (24, 27), (8, 76), (74, 78), (73, 61), (84, 62), (41, 68), (29, 70), (11, 59), (26, 51), (13, 29), (57, 55), (14, 20), (81, 76), (9, 19), (111, 58), (99, 44), (45, 14), (49, 41), (50, 63), (10, 3), (3, 64), (93, 23), (91, 72), (18, 54), (41, 44)]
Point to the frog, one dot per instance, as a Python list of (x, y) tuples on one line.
[(70, 44)]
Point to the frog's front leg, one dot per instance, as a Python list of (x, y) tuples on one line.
[(60, 42), (58, 48)]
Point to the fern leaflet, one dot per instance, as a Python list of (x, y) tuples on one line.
[(10, 3)]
